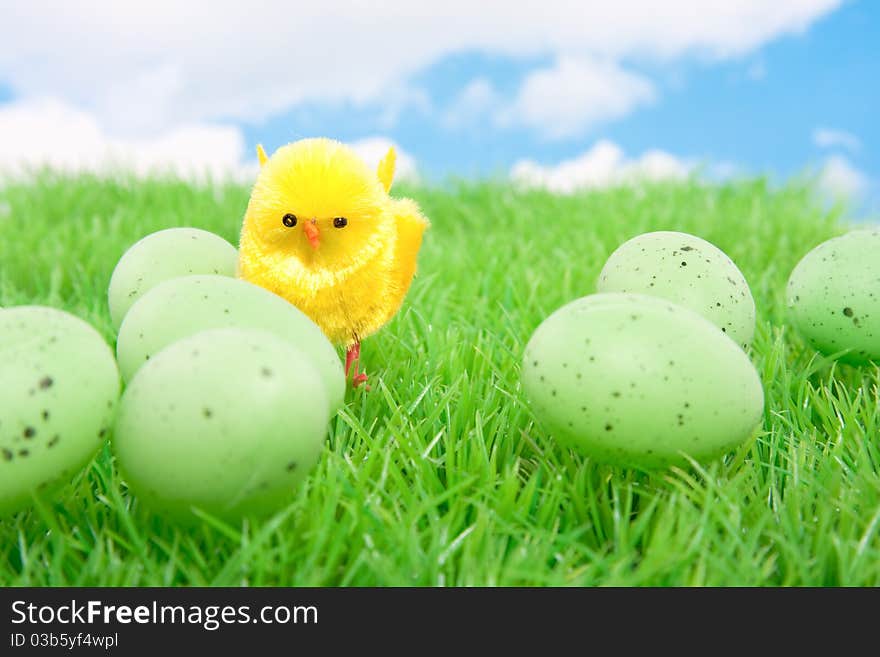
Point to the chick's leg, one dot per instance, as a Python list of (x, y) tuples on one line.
[(352, 354), (352, 358)]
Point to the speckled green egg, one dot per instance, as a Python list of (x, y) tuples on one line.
[(640, 381), (183, 306), (58, 391), (229, 421), (167, 254), (834, 296), (688, 271)]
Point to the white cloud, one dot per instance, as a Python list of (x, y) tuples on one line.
[(373, 149), (47, 132), (603, 165), (829, 138), (840, 179), (477, 98), (403, 98), (38, 133), (141, 67), (576, 93)]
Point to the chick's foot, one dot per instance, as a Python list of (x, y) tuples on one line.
[(352, 358)]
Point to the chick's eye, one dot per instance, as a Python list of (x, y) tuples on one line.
[(340, 222), (289, 220)]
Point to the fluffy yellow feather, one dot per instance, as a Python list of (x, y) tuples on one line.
[(321, 231)]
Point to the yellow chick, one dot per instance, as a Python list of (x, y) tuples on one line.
[(321, 231)]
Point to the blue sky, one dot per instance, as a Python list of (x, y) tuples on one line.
[(776, 88), (758, 111)]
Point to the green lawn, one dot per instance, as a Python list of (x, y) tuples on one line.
[(440, 475)]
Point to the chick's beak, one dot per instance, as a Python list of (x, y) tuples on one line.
[(312, 233)]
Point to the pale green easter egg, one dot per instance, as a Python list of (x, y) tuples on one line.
[(183, 306), (688, 271), (166, 254), (639, 381), (58, 391), (229, 421), (833, 296)]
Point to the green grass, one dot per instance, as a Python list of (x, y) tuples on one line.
[(440, 475)]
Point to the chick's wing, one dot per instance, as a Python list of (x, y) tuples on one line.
[(411, 225)]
